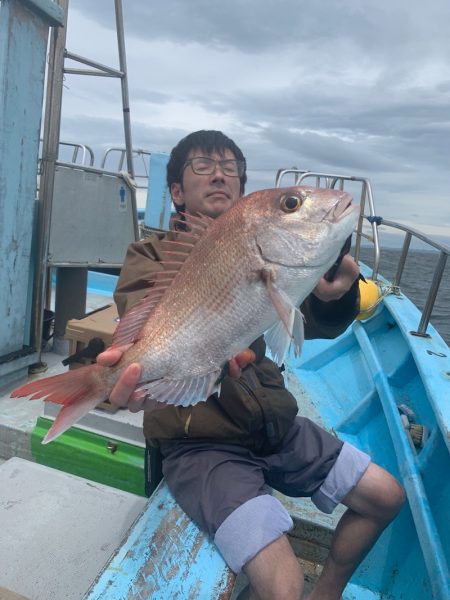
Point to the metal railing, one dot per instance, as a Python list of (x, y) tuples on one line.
[(81, 154), (331, 181), (140, 175), (77, 148)]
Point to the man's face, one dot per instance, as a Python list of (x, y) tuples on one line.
[(209, 195)]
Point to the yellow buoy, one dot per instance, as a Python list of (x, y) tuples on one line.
[(370, 295)]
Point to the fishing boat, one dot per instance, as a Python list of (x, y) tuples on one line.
[(78, 504)]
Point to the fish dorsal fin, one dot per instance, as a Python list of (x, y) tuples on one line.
[(131, 324), (173, 255)]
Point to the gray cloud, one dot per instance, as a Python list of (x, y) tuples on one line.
[(340, 85), (373, 26)]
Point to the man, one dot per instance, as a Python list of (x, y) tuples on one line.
[(219, 455)]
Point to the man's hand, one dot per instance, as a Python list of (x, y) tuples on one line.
[(122, 392), (346, 275), (127, 382), (240, 361)]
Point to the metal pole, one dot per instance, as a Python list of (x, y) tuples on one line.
[(428, 308), (124, 85), (402, 260), (126, 109), (52, 121)]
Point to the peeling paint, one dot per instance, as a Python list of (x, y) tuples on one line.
[(165, 556)]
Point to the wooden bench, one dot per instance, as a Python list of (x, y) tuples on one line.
[(164, 555)]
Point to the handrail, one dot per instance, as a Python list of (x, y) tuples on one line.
[(77, 147), (85, 150), (444, 252), (330, 181), (136, 152)]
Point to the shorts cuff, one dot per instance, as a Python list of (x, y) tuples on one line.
[(346, 472), (250, 528)]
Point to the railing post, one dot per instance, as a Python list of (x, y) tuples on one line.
[(402, 260), (426, 313)]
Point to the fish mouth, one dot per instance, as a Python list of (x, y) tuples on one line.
[(341, 209)]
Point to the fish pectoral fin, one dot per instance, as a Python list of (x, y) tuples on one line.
[(289, 329), (182, 392)]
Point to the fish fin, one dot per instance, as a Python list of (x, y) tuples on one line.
[(197, 223), (289, 329), (278, 338), (182, 392), (78, 391), (70, 414), (173, 255), (298, 332), (174, 252), (130, 325)]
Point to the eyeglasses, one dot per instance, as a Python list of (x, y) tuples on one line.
[(202, 165)]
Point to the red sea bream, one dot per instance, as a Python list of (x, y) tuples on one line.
[(225, 282)]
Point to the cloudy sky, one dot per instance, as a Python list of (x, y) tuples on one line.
[(355, 87)]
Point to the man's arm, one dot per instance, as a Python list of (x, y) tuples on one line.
[(139, 267), (332, 306)]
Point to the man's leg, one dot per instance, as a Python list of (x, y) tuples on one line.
[(274, 573), (372, 504), (224, 491)]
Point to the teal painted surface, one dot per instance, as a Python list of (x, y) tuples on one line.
[(99, 283), (159, 203), (48, 10), (164, 556), (23, 41), (353, 386), (103, 284)]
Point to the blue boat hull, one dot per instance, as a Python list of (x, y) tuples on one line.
[(354, 386)]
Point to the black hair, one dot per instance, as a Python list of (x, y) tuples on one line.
[(208, 141)]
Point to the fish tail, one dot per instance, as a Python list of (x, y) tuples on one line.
[(78, 391)]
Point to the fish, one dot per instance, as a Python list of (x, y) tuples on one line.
[(224, 283)]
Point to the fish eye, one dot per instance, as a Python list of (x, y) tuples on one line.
[(290, 203)]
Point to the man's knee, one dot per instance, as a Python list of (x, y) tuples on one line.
[(377, 495), (251, 527), (275, 573)]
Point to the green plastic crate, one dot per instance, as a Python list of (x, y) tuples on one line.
[(92, 456)]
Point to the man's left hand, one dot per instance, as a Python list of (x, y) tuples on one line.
[(346, 275), (240, 361)]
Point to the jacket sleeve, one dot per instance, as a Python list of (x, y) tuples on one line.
[(330, 319), (140, 264)]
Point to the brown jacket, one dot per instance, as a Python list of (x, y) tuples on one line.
[(254, 410)]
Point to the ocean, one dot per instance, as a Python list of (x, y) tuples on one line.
[(416, 281)]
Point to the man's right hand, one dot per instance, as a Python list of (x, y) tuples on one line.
[(127, 382)]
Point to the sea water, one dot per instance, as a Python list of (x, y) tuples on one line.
[(416, 281)]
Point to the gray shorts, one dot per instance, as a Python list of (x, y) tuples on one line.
[(223, 487)]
